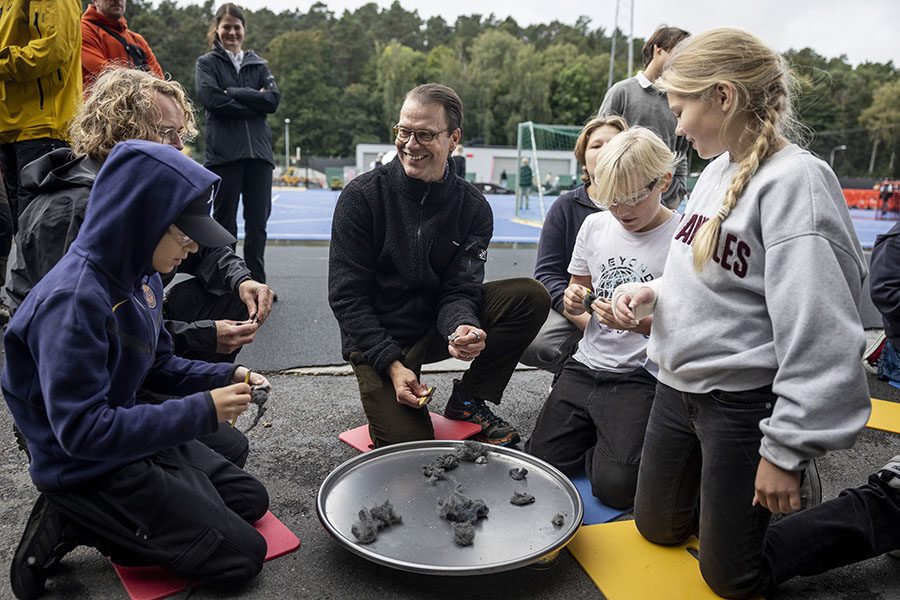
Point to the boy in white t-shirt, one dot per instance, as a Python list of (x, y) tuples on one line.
[(595, 417)]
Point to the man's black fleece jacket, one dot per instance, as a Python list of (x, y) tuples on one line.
[(406, 256)]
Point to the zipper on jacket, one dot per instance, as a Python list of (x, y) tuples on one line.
[(40, 35), (424, 258)]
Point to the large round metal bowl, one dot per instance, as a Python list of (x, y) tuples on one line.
[(510, 537)]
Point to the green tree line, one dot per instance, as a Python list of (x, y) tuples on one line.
[(342, 77)]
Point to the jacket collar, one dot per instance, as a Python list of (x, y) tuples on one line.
[(581, 197), (418, 189), (250, 57), (93, 15)]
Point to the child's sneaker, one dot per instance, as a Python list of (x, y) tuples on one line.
[(494, 430), (41, 547), (873, 353)]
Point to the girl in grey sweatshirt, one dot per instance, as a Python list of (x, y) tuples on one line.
[(757, 336)]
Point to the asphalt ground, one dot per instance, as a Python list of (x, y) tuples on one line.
[(308, 410)]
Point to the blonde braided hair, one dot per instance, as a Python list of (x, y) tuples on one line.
[(763, 83)]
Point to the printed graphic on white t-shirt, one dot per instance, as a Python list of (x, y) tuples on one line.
[(610, 255)]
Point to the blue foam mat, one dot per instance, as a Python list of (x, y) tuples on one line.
[(594, 511)]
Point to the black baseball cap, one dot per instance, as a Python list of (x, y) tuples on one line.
[(196, 222)]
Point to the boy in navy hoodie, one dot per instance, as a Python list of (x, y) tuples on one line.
[(129, 478)]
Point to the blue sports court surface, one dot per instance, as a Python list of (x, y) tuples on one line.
[(306, 215)]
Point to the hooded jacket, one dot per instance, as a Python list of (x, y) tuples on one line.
[(236, 109), (558, 234), (40, 63), (99, 48), (60, 186), (406, 256), (91, 332)]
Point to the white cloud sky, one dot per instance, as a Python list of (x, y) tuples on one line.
[(863, 30)]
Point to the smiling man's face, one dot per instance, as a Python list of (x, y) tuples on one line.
[(425, 161)]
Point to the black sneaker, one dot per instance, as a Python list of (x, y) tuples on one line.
[(494, 430), (41, 547)]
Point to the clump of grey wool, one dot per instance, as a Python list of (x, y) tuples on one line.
[(470, 451), (463, 533), (518, 473), (558, 519), (435, 469), (373, 520), (463, 512), (462, 509), (521, 498)]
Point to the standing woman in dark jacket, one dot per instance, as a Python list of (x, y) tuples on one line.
[(237, 90)]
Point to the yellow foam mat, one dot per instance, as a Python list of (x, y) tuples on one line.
[(885, 416), (625, 566)]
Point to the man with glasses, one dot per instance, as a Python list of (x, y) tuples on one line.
[(406, 269), (208, 315)]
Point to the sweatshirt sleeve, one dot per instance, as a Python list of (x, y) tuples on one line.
[(812, 292), (173, 375), (71, 358), (59, 37), (351, 280)]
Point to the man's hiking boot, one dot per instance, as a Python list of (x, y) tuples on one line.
[(41, 547), (494, 430)]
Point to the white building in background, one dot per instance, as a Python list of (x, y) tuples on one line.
[(484, 164)]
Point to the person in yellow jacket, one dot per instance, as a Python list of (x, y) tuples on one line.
[(40, 83), (40, 90)]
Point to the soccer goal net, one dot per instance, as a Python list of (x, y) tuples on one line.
[(547, 167)]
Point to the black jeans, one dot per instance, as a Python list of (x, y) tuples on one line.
[(189, 301), (249, 180), (185, 508), (706, 447), (512, 313), (594, 422)]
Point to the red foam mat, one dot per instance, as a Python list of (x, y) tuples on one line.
[(444, 429), (153, 583)]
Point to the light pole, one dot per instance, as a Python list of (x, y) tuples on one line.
[(287, 145), (831, 155)]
